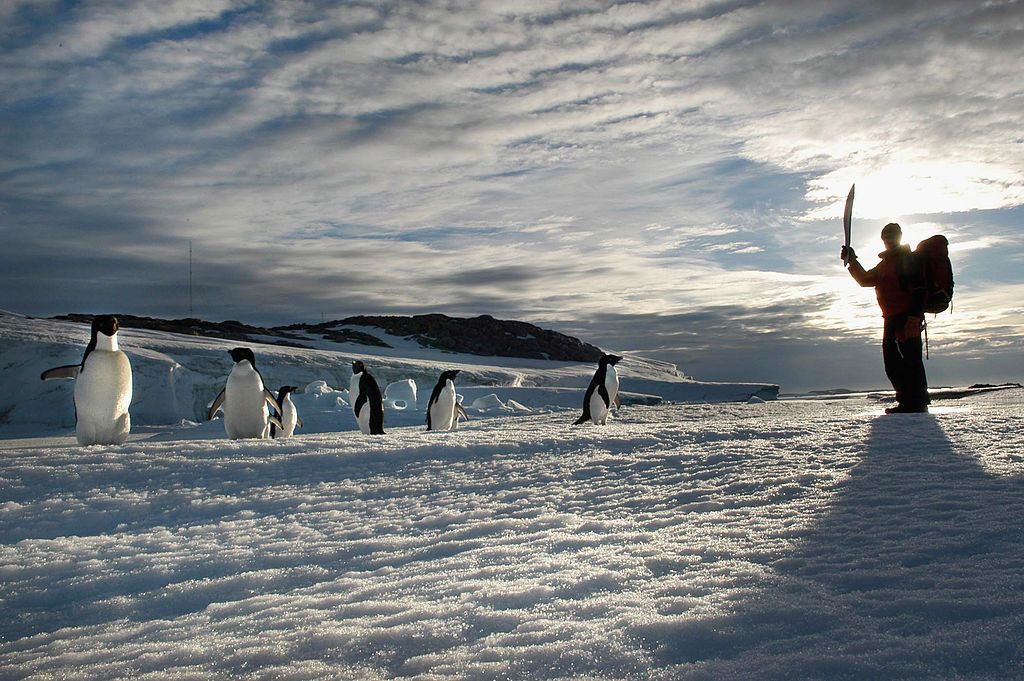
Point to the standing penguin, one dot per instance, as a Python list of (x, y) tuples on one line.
[(443, 409), (245, 399), (367, 403), (288, 416), (602, 392), (103, 387)]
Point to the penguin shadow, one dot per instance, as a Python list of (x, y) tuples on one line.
[(917, 571)]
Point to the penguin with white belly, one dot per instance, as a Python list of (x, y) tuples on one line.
[(288, 416), (103, 387), (245, 399), (367, 402), (602, 392), (443, 409)]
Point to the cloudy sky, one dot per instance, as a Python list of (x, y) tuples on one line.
[(665, 177)]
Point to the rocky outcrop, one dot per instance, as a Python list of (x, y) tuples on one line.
[(229, 330), (329, 331), (483, 335)]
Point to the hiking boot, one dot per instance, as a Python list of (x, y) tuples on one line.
[(907, 409)]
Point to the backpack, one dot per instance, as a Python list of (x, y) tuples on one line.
[(932, 255)]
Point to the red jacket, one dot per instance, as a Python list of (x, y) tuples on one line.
[(896, 282)]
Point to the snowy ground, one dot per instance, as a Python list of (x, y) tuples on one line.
[(794, 539)]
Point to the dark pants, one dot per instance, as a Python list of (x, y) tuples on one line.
[(903, 364)]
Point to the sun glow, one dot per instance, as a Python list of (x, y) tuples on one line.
[(852, 309), (915, 188)]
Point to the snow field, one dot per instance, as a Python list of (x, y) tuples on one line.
[(808, 539)]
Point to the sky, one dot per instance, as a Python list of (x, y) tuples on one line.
[(658, 177)]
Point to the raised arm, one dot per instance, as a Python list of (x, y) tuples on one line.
[(857, 271)]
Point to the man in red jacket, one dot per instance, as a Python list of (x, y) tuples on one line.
[(898, 285)]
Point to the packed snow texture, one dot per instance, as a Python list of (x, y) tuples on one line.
[(783, 540)]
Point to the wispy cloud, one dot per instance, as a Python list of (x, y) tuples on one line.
[(523, 159)]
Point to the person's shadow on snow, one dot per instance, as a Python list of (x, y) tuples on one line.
[(916, 572)]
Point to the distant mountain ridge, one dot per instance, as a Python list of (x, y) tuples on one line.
[(483, 335)]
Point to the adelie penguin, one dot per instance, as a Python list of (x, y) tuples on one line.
[(443, 409), (103, 387), (288, 416), (245, 399), (367, 403), (602, 392)]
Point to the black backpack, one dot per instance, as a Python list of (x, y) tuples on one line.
[(932, 256)]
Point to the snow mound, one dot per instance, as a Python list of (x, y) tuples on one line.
[(488, 402), (400, 395)]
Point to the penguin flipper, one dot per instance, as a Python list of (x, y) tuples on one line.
[(460, 411), (275, 422), (586, 405), (272, 401), (67, 371), (298, 422), (377, 420), (217, 404), (618, 401), (360, 401)]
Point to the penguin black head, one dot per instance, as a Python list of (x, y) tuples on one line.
[(450, 374), (284, 391), (610, 359), (358, 367), (105, 324), (242, 354)]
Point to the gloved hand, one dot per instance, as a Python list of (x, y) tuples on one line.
[(911, 329), (847, 250)]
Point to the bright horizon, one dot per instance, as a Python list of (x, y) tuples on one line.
[(661, 178)]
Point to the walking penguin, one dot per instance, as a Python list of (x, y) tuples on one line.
[(288, 416), (602, 392), (367, 403), (103, 387), (443, 409), (245, 399)]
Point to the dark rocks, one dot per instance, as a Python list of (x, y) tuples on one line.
[(483, 335), (327, 331), (230, 329)]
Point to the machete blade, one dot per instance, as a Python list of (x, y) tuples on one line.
[(848, 221)]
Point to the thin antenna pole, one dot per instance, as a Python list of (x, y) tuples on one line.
[(190, 313)]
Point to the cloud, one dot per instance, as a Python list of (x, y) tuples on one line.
[(520, 159)]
